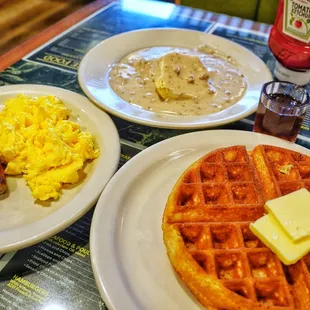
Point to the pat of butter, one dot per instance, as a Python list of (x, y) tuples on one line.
[(270, 232), (292, 211)]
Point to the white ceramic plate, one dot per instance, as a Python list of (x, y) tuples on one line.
[(22, 221), (94, 71), (129, 259)]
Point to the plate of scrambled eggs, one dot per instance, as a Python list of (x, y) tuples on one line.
[(173, 78), (58, 151)]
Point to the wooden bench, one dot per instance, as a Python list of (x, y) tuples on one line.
[(21, 19), (260, 10)]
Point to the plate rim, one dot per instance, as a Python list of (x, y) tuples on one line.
[(112, 154), (106, 223), (168, 124)]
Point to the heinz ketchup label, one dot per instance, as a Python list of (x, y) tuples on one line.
[(289, 41), (296, 21)]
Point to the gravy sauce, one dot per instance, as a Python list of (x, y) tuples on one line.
[(178, 81)]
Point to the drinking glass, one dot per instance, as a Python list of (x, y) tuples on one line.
[(281, 110)]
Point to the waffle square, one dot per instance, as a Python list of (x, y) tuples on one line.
[(207, 236)]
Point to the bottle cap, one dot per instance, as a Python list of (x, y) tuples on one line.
[(296, 77)]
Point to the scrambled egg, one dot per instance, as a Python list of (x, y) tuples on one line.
[(181, 76), (38, 141)]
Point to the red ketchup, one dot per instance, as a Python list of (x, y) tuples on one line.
[(289, 41)]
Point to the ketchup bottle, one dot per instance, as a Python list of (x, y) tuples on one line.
[(289, 41)]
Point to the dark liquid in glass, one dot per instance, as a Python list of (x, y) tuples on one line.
[(279, 120)]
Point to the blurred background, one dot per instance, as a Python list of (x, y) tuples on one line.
[(22, 19)]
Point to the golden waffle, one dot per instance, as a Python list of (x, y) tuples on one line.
[(207, 236)]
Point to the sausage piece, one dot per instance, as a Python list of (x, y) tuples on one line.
[(2, 180)]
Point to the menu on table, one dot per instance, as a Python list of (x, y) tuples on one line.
[(56, 273)]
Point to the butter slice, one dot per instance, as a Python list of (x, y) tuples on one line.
[(292, 211), (271, 233)]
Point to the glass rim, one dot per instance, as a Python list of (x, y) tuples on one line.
[(307, 101)]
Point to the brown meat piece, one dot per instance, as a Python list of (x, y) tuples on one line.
[(2, 180)]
